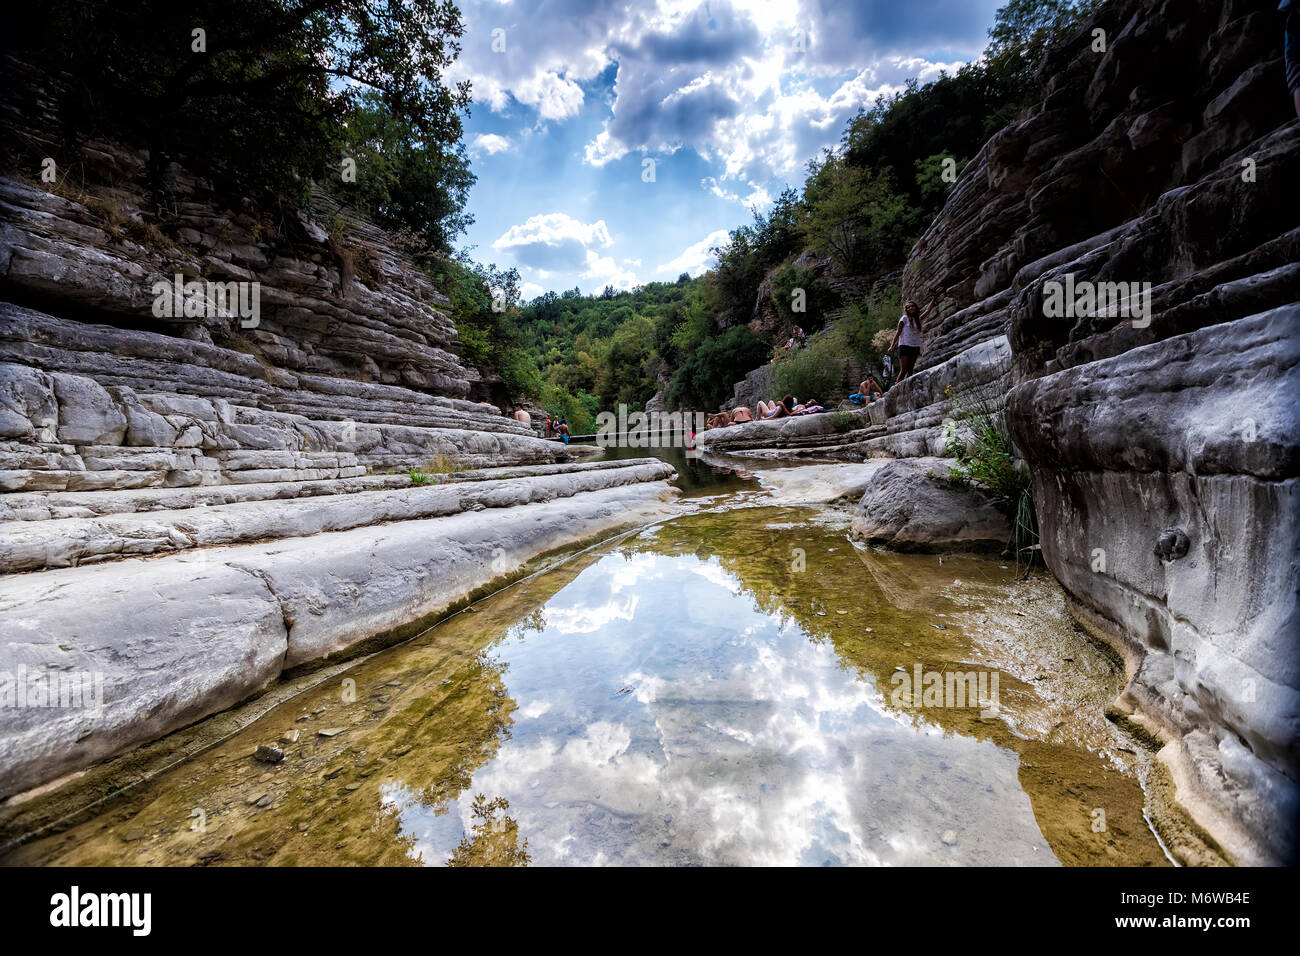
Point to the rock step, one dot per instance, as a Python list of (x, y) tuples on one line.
[(47, 505), (63, 431), (69, 542), (907, 421), (149, 362)]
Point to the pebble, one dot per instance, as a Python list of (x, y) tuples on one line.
[(330, 731), (949, 837), (268, 753)]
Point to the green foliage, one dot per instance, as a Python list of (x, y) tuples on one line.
[(869, 316), (577, 410), (1024, 30), (856, 217), (816, 371), (263, 104), (978, 439), (749, 252), (817, 296), (929, 178), (484, 301), (706, 376), (414, 186)]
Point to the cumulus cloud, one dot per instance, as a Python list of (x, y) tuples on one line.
[(553, 242), (695, 258), (491, 143), (754, 88)]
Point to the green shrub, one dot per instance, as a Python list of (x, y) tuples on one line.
[(978, 439), (815, 371)]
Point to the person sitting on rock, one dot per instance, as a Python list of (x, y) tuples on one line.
[(783, 408), (522, 416), (907, 338), (867, 392), (718, 420), (740, 415)]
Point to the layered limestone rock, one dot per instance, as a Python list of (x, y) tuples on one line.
[(1161, 442), (170, 640), (190, 505)]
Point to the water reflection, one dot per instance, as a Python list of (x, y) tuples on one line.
[(700, 694)]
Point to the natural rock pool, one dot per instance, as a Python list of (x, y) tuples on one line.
[(729, 687)]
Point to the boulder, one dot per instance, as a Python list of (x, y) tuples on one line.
[(912, 505)]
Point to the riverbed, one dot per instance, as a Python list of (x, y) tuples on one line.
[(737, 685)]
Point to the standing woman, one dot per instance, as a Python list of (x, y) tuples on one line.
[(907, 338)]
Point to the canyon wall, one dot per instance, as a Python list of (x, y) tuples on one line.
[(192, 505), (1163, 447)]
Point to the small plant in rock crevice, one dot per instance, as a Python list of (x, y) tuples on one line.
[(977, 437)]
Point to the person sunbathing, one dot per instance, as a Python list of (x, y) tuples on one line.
[(718, 420), (783, 408), (740, 415)]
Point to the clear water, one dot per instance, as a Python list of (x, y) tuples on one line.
[(716, 690)]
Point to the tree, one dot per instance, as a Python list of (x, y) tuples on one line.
[(1024, 30), (260, 96), (414, 186)]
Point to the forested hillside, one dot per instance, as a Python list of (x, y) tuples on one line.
[(828, 253)]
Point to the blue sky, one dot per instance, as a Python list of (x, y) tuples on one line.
[(729, 98)]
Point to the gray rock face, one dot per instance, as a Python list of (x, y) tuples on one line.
[(37, 545), (1171, 514), (138, 667), (910, 505), (141, 409), (1134, 427)]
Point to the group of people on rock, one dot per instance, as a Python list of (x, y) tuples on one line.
[(557, 427), (906, 345), (766, 411)]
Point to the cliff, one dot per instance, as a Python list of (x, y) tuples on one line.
[(1163, 447)]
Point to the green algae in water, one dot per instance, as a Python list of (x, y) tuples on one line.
[(718, 689)]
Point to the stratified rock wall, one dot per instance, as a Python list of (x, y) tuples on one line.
[(1164, 445), (351, 363), (1164, 448)]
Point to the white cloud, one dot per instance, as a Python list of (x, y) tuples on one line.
[(605, 271), (695, 258), (491, 143), (553, 228)]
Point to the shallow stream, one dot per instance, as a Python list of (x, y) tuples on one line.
[(741, 685)]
